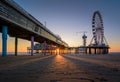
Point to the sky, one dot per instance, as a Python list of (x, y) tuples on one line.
[(67, 17)]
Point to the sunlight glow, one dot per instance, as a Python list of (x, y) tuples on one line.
[(57, 51)]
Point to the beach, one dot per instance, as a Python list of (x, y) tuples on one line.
[(61, 68)]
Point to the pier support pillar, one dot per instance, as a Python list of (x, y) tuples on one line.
[(44, 47), (32, 45), (4, 40), (95, 51), (107, 51), (51, 49), (16, 45), (89, 50)]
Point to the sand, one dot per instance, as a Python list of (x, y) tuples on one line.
[(61, 68), (10, 62)]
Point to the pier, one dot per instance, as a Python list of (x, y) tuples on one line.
[(18, 23)]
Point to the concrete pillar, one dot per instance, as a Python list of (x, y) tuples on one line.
[(16, 45), (51, 49), (95, 51), (86, 50), (103, 51), (107, 51), (32, 45), (44, 47), (4, 40), (89, 50)]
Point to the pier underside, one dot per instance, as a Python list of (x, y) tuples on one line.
[(97, 49)]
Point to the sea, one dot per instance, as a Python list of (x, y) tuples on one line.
[(19, 53), (26, 53)]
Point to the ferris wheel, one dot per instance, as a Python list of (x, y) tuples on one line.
[(97, 28), (98, 44)]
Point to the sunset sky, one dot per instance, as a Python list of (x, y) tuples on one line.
[(67, 17)]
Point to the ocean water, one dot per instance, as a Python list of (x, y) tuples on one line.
[(19, 53), (26, 53), (114, 53)]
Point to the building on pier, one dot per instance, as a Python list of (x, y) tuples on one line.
[(42, 48)]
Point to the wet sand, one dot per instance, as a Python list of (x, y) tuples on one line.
[(60, 68)]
